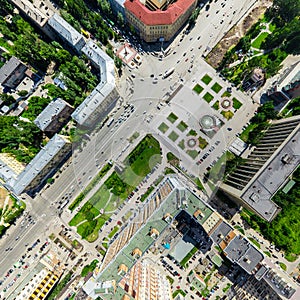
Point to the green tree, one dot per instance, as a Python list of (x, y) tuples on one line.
[(7, 99), (286, 10)]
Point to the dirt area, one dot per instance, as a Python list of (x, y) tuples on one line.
[(3, 195), (235, 33)]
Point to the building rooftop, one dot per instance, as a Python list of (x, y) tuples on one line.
[(6, 173), (291, 76), (51, 112), (67, 31), (39, 11), (242, 252), (220, 232), (9, 68), (262, 188), (107, 82), (158, 17), (37, 164)]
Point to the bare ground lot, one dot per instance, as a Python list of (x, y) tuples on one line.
[(236, 32)]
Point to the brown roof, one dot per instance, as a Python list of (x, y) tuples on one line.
[(158, 17)]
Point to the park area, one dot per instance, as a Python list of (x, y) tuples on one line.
[(10, 210), (115, 190)]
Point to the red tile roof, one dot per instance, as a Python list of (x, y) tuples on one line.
[(158, 17)]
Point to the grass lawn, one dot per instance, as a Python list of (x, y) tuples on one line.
[(226, 94), (163, 127), (113, 232), (272, 27), (173, 136), (258, 41), (116, 189), (86, 212), (182, 126), (245, 134), (181, 144), (216, 88), (141, 160), (208, 97), (178, 292), (172, 117), (147, 193), (188, 256), (202, 142), (227, 114), (199, 184), (192, 132), (192, 153), (256, 243), (236, 103), (282, 266), (95, 233), (198, 88), (217, 171), (206, 79), (216, 105)]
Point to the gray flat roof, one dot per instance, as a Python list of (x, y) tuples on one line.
[(39, 14), (38, 163), (52, 110), (8, 68), (242, 252), (272, 176), (6, 173), (67, 31), (220, 232), (103, 89)]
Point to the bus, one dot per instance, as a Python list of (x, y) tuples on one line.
[(168, 73), (110, 122)]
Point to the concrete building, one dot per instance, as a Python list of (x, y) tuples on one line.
[(42, 166), (103, 98), (267, 169), (158, 20), (40, 280), (66, 32), (160, 212), (38, 11), (288, 86), (54, 116), (12, 73), (145, 281)]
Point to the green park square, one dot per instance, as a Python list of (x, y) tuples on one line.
[(173, 136), (198, 88), (216, 88), (182, 126), (172, 117), (163, 127), (208, 97), (206, 79)]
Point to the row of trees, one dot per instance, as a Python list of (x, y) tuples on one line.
[(22, 139)]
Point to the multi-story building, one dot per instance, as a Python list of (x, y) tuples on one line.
[(12, 73), (158, 20), (266, 169), (288, 86), (54, 116), (103, 98), (66, 32), (145, 281), (171, 202), (43, 165), (38, 11)]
